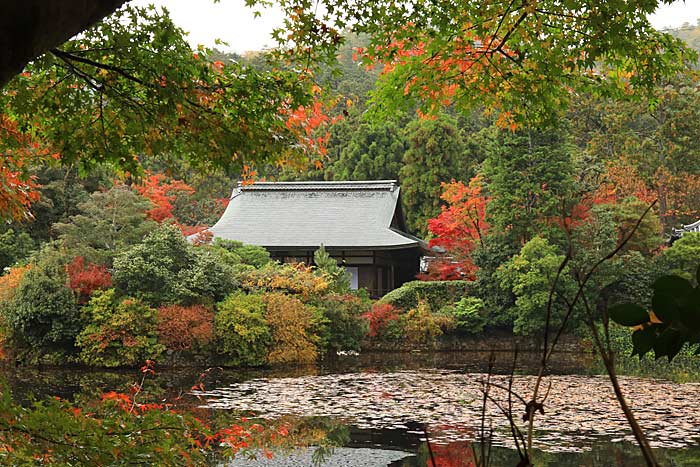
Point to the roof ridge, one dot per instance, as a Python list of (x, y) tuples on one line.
[(389, 185)]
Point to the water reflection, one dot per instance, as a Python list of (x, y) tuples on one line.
[(385, 401), (580, 409)]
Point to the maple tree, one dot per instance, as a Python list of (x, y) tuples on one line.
[(380, 317), (19, 153), (460, 227), (164, 196), (651, 147), (525, 60), (621, 180), (682, 192), (84, 279), (135, 88), (127, 428), (185, 328), (11, 280)]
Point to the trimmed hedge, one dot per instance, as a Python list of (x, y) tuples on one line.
[(436, 293)]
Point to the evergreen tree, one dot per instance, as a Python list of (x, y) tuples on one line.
[(434, 151), (530, 178), (108, 222), (374, 152), (329, 266)]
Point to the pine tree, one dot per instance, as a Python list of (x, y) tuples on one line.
[(340, 278)]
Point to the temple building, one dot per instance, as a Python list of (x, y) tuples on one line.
[(678, 233), (359, 223)]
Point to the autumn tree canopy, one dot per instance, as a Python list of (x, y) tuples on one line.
[(523, 59), (130, 87)]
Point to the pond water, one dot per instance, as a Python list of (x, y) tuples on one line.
[(391, 409)]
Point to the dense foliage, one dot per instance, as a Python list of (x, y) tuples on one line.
[(119, 331), (185, 328), (542, 131), (242, 332), (487, 174), (437, 293)]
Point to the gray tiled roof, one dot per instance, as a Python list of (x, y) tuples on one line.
[(694, 227), (307, 214)]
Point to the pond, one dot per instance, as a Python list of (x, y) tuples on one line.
[(391, 409)]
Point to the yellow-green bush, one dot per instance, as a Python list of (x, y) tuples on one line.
[(120, 332), (242, 333), (423, 327), (291, 323)]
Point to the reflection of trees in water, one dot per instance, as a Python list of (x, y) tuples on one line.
[(326, 432)]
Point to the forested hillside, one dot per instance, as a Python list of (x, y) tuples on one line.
[(601, 150)]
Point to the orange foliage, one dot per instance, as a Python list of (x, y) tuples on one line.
[(379, 318), (307, 123), (203, 237), (682, 193), (248, 175), (461, 66), (162, 194), (84, 280), (459, 228), (188, 230), (621, 181), (17, 187), (11, 280), (8, 286), (185, 327)]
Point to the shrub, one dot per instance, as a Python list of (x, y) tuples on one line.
[(207, 279), (423, 327), (379, 319), (149, 270), (683, 256), (85, 280), (530, 275), (242, 334), (296, 279), (185, 328), (436, 293), (252, 255), (469, 315), (344, 322), (165, 269), (290, 323), (121, 332), (43, 312)]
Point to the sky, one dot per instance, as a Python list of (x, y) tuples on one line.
[(233, 22)]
